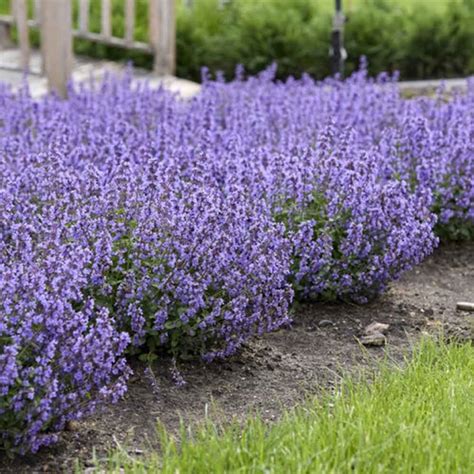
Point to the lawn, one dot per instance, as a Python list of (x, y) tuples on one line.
[(413, 417)]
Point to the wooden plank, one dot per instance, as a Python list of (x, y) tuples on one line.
[(168, 36), (5, 36), (7, 20), (21, 16), (37, 11), (56, 39), (84, 15), (106, 14), (153, 24), (129, 21), (37, 20), (113, 41), (162, 36), (10, 21)]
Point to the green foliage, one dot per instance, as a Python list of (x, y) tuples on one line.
[(417, 417), (292, 33), (421, 38), (292, 215), (381, 33), (441, 45), (455, 229)]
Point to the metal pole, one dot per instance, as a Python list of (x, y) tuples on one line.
[(337, 52)]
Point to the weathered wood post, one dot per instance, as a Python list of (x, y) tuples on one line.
[(105, 15), (162, 31), (84, 16), (5, 36), (20, 11), (56, 43), (129, 21), (37, 18)]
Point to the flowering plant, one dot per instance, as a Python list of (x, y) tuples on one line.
[(134, 222)]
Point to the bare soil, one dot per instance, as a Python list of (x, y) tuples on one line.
[(276, 371)]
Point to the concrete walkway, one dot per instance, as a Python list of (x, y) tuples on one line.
[(429, 85), (84, 69)]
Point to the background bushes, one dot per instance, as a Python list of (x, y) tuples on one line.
[(420, 38)]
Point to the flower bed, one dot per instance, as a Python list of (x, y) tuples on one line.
[(134, 222)]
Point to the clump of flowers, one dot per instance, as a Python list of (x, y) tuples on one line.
[(135, 222), (105, 251), (432, 148), (194, 270), (60, 353), (351, 244)]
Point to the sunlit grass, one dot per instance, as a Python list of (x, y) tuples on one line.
[(419, 418)]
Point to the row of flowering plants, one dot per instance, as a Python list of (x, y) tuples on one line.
[(134, 222)]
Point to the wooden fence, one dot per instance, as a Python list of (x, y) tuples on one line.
[(53, 18)]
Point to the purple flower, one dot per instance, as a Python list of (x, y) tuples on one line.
[(132, 221)]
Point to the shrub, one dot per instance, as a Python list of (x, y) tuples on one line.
[(103, 243), (432, 149), (354, 228), (60, 353), (394, 35), (350, 244), (134, 222), (403, 36), (193, 270)]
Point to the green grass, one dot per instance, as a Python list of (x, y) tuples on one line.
[(419, 418)]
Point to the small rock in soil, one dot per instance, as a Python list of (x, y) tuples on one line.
[(402, 309), (464, 306), (375, 339), (375, 328), (325, 322), (72, 425)]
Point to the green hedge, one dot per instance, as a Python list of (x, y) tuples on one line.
[(420, 38)]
